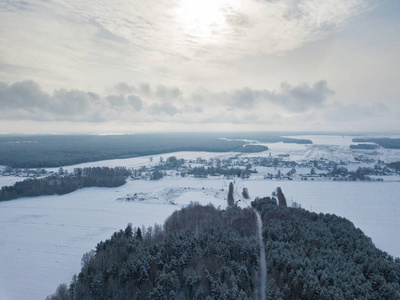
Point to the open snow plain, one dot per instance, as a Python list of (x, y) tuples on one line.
[(42, 239)]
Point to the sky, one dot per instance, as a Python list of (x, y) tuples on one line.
[(126, 66)]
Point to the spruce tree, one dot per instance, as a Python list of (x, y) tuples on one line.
[(281, 197), (231, 201), (245, 193), (138, 235)]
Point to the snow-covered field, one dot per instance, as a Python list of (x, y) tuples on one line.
[(332, 147), (9, 180), (147, 161), (42, 239)]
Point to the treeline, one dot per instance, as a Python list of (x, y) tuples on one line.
[(172, 163), (54, 151), (387, 143), (296, 141), (60, 184), (364, 147), (322, 256), (203, 171), (394, 165), (362, 173), (269, 137), (45, 151), (200, 253), (253, 148)]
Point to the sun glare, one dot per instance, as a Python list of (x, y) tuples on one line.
[(203, 18)]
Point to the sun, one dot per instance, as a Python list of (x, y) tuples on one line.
[(203, 18)]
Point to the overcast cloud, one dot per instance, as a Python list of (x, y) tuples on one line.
[(208, 65), (144, 103)]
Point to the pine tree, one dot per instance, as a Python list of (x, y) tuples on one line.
[(281, 197), (231, 201), (128, 230), (138, 235), (245, 193)]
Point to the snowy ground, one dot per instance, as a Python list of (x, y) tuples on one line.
[(147, 161), (335, 148), (42, 239)]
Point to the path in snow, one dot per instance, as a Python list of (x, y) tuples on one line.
[(263, 260)]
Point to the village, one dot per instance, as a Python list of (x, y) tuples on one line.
[(268, 167), (279, 167)]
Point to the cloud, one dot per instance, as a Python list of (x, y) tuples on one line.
[(291, 107), (25, 100), (152, 39), (116, 100), (166, 108), (296, 99), (168, 94), (356, 112), (123, 88), (103, 33), (160, 92), (192, 109), (70, 103), (25, 94), (135, 101), (245, 98), (301, 98), (162, 51)]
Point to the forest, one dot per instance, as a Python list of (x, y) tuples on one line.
[(394, 165), (388, 143), (364, 147), (253, 148), (200, 253), (323, 256), (43, 151), (206, 253), (60, 183)]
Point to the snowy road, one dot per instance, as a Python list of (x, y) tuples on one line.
[(263, 261)]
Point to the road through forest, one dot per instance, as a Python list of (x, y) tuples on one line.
[(263, 261)]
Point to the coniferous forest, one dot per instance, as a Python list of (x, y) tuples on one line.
[(42, 151), (61, 184), (200, 252), (206, 253), (323, 256)]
